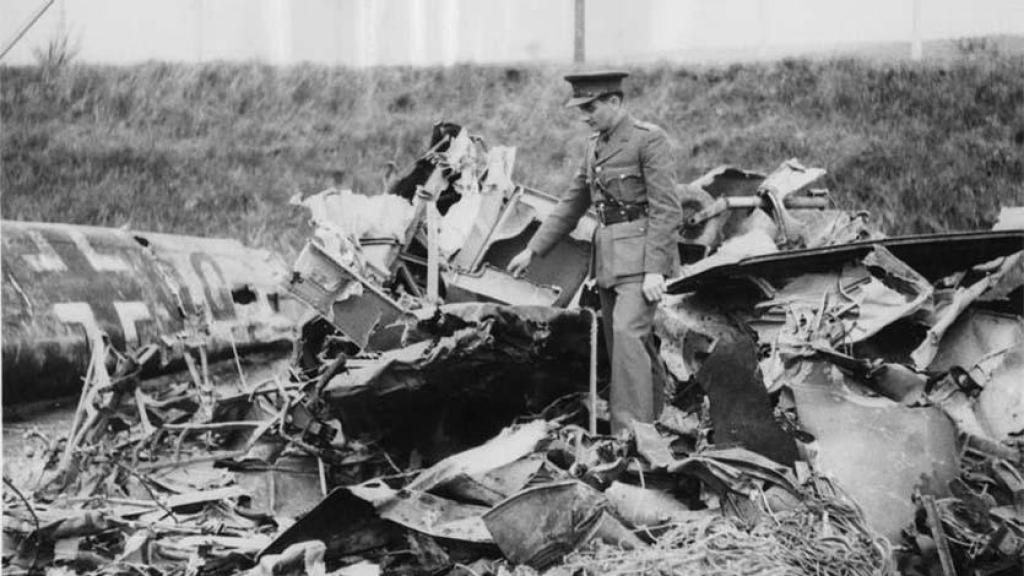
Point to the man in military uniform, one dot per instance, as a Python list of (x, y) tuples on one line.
[(626, 176)]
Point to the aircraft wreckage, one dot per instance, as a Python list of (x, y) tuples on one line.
[(841, 402), (68, 289)]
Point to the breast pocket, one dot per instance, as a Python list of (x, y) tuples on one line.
[(625, 184)]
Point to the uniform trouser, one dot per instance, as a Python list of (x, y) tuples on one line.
[(636, 372)]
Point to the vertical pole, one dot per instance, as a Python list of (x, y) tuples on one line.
[(580, 19), (450, 32), (366, 36), (507, 30), (277, 15), (762, 29), (916, 48), (593, 372), (373, 22), (200, 24), (417, 25)]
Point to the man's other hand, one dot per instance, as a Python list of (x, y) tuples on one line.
[(518, 265), (654, 286)]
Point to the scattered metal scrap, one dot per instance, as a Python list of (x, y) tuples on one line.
[(845, 406)]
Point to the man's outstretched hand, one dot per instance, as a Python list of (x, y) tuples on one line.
[(518, 265), (654, 286)]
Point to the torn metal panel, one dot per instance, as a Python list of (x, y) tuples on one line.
[(1001, 402), (729, 181), (754, 236), (490, 487), (288, 487), (559, 274), (66, 287), (790, 178), (899, 383), (486, 220), (960, 251), (654, 447), (974, 339), (775, 196), (491, 284), (879, 451), (741, 411), (307, 557), (345, 520), (835, 227), (703, 231), (426, 513), (512, 444), (542, 524), (355, 280), (943, 317), (491, 210), (471, 369), (345, 523), (846, 305), (542, 204), (1007, 278), (362, 568), (780, 195), (1003, 277), (960, 408), (462, 334), (688, 326), (354, 305), (1010, 218), (720, 207)]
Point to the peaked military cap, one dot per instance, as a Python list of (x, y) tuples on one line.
[(590, 86)]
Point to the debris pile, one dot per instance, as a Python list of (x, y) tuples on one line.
[(890, 367), (135, 486), (840, 403)]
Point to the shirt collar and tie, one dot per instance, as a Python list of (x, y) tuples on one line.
[(615, 130)]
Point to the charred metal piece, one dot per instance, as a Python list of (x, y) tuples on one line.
[(741, 411)]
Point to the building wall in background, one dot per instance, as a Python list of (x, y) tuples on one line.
[(430, 32)]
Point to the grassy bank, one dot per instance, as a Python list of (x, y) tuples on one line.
[(218, 149)]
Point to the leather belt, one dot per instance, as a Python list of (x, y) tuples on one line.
[(608, 213)]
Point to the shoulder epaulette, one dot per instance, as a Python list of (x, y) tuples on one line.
[(594, 135), (645, 125)]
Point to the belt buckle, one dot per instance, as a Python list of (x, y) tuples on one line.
[(616, 215)]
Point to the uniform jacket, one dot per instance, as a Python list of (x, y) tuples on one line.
[(632, 162)]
